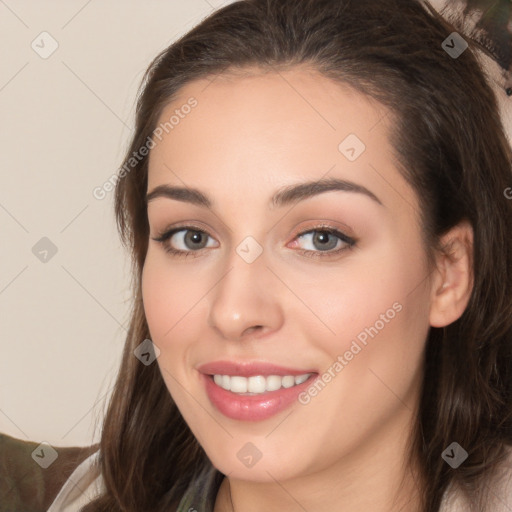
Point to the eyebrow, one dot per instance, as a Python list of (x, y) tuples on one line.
[(281, 198)]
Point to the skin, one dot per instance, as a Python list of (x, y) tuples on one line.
[(248, 137)]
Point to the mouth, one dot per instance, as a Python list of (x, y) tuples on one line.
[(253, 391), (258, 384)]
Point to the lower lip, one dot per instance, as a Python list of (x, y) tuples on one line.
[(252, 407)]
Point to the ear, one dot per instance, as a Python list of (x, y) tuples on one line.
[(452, 281)]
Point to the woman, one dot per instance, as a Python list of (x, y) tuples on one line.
[(315, 201)]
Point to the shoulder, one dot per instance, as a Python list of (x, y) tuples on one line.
[(202, 491), (500, 491), (82, 486), (29, 480)]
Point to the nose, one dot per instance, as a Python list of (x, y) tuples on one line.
[(246, 302)]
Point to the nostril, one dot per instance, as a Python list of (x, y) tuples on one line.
[(255, 327)]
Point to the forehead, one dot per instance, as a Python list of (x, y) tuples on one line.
[(258, 105), (256, 128)]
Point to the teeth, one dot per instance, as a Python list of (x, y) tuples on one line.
[(258, 384), (238, 384), (301, 378)]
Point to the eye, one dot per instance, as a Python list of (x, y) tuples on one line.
[(328, 239), (188, 238)]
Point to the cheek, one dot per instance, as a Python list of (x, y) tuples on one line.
[(168, 306), (379, 314), (372, 365), (381, 323), (168, 298), (369, 294)]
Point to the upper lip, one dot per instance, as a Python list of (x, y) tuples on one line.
[(248, 369)]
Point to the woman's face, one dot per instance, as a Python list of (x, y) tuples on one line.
[(264, 283)]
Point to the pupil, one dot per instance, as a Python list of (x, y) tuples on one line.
[(196, 237), (323, 239)]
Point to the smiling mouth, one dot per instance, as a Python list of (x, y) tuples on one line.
[(258, 384)]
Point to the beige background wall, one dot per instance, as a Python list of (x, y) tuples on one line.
[(66, 119)]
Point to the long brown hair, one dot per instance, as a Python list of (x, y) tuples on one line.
[(449, 144)]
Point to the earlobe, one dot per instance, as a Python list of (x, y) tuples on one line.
[(453, 278)]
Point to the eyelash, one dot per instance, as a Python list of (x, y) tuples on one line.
[(166, 235)]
